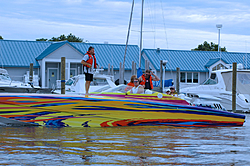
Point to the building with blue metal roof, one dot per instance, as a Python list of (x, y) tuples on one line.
[(16, 57), (195, 66)]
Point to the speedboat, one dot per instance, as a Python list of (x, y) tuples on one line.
[(217, 91), (108, 110)]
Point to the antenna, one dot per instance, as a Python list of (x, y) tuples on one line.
[(219, 26)]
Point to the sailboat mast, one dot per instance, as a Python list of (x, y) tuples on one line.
[(141, 33)]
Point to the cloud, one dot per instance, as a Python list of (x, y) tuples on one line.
[(181, 25)]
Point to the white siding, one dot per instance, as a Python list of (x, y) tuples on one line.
[(65, 51)]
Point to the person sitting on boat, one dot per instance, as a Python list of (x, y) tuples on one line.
[(137, 88), (172, 91), (168, 91), (130, 85), (146, 79)]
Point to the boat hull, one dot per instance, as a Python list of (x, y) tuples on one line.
[(102, 111)]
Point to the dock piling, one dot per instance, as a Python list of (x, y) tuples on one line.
[(234, 77), (62, 75), (31, 74)]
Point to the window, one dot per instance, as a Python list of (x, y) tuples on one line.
[(183, 77), (195, 77), (189, 77), (218, 67)]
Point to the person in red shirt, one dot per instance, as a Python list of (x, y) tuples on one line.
[(146, 79)]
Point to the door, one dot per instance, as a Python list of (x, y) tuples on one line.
[(72, 73), (52, 78)]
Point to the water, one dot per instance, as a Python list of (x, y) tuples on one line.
[(125, 146)]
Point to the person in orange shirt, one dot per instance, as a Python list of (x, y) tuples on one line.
[(131, 84)]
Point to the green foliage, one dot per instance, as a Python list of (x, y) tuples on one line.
[(70, 38), (1, 38), (42, 39), (209, 47)]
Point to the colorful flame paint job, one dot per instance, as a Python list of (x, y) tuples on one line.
[(103, 111)]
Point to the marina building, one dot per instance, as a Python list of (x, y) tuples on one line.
[(195, 66)]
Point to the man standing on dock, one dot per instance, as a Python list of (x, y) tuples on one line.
[(89, 63)]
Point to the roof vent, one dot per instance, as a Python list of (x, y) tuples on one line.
[(158, 50), (106, 42)]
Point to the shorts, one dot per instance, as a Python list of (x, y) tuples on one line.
[(88, 77)]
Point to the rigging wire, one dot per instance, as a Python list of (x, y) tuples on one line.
[(131, 14), (164, 24), (169, 58), (152, 19)]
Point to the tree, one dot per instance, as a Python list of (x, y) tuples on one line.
[(70, 38), (208, 47), (1, 38), (42, 39)]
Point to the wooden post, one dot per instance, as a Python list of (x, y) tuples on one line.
[(177, 88), (161, 74), (121, 74), (112, 70), (31, 74), (109, 69), (78, 70), (133, 69), (101, 70), (62, 75), (234, 86)]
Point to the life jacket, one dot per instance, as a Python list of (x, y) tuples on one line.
[(129, 86), (144, 81), (90, 60)]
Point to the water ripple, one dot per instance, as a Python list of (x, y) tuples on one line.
[(125, 146)]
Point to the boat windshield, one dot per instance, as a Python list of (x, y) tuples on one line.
[(99, 82), (5, 77), (212, 80), (70, 81), (243, 81), (118, 89), (103, 88), (126, 88)]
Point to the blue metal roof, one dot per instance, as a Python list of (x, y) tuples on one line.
[(53, 47), (112, 54), (191, 60), (15, 53), (213, 61)]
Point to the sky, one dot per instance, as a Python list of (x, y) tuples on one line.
[(168, 24)]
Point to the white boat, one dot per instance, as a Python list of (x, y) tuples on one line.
[(10, 86), (76, 85), (217, 91), (4, 77)]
